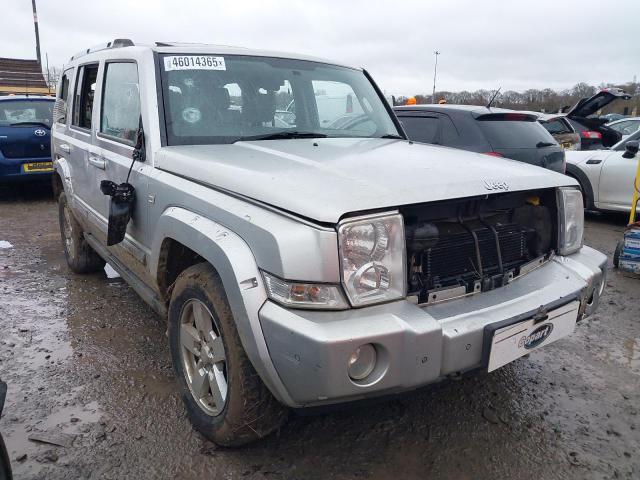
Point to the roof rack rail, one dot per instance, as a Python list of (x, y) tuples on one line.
[(117, 43)]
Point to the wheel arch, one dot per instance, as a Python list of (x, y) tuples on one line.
[(198, 239), (587, 189)]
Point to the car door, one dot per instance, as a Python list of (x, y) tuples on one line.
[(80, 133), (116, 123), (615, 188)]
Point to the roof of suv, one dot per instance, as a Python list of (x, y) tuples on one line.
[(202, 48), (476, 109)]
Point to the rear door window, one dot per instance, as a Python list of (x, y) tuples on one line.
[(448, 132), (557, 126), (507, 131), (84, 93), (421, 129), (120, 115)]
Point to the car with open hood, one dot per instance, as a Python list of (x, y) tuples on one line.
[(308, 263), (593, 131)]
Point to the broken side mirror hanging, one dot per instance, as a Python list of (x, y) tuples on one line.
[(123, 196)]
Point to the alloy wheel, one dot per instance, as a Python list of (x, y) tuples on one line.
[(203, 357)]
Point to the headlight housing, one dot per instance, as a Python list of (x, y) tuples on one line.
[(304, 295), (372, 258), (571, 220)]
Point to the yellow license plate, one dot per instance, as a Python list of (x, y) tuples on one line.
[(38, 167)]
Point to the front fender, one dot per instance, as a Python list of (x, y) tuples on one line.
[(232, 258)]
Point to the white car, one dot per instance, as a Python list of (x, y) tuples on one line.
[(606, 176), (625, 126)]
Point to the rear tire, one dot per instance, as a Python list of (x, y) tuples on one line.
[(617, 252), (81, 258), (225, 398)]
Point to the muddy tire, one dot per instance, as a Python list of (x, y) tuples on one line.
[(81, 258), (225, 398)]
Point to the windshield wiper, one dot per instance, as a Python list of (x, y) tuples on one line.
[(392, 136), (544, 144), (284, 135), (17, 124)]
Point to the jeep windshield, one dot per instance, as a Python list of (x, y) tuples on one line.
[(211, 99)]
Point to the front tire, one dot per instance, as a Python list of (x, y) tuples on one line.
[(81, 258), (225, 398)]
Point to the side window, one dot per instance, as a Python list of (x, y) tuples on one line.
[(120, 112), (421, 129), (84, 94), (556, 126), (285, 115), (448, 132), (63, 94), (63, 91)]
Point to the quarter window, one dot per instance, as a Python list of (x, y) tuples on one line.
[(120, 115), (84, 94), (63, 93)]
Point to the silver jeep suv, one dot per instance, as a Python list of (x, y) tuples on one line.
[(319, 260)]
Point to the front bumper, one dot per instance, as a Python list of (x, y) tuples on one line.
[(416, 345)]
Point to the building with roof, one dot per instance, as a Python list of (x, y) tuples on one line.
[(20, 76)]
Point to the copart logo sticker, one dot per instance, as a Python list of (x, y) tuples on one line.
[(536, 337), (495, 185)]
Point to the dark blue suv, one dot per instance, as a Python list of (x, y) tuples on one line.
[(25, 138)]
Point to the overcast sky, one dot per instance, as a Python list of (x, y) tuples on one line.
[(483, 44)]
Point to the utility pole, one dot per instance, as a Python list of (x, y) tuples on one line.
[(35, 26), (435, 71)]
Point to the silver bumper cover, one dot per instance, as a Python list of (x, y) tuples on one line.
[(416, 345)]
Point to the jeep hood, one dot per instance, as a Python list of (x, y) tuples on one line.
[(324, 179)]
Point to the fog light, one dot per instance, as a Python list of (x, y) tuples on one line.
[(362, 362)]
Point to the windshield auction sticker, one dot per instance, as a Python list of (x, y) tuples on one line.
[(194, 62)]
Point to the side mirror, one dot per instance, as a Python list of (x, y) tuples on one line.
[(121, 205), (630, 149), (60, 111)]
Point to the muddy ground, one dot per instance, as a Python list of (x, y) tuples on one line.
[(83, 355)]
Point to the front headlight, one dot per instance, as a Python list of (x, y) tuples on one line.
[(372, 258), (304, 295), (571, 220)]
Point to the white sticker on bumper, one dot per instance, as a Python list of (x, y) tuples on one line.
[(514, 341)]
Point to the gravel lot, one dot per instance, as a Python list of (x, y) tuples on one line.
[(83, 355)]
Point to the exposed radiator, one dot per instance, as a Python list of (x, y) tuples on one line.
[(454, 258)]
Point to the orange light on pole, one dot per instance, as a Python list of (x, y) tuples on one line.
[(411, 101)]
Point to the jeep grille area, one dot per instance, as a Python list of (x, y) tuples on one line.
[(475, 245)]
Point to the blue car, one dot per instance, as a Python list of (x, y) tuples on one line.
[(25, 138)]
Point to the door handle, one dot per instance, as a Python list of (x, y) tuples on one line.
[(97, 162), (64, 147)]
